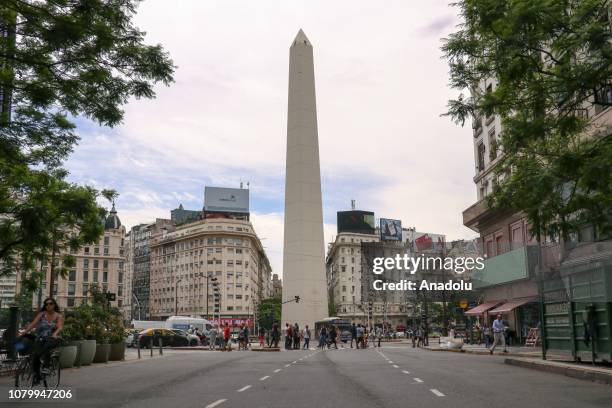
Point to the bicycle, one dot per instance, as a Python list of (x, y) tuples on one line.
[(49, 377)]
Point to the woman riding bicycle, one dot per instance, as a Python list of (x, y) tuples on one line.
[(49, 322)]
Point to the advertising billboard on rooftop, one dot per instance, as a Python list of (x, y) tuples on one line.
[(359, 222), (390, 230), (222, 199)]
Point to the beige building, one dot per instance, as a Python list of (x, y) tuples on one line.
[(101, 264), (184, 258), (277, 286), (344, 274)]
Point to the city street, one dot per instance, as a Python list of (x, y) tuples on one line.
[(393, 376)]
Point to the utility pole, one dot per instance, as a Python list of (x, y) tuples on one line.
[(176, 296)]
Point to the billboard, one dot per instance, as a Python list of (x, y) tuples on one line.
[(359, 222), (221, 199), (428, 242), (390, 230)]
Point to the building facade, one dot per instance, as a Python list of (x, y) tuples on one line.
[(277, 286), (509, 283), (140, 255), (100, 265), (184, 259)]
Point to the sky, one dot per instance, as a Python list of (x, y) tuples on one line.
[(381, 83)]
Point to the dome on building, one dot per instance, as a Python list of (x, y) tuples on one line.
[(112, 221)]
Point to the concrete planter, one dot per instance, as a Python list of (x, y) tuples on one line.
[(88, 352), (117, 351), (102, 353), (67, 356)]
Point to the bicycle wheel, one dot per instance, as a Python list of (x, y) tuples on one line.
[(52, 379), (24, 376)]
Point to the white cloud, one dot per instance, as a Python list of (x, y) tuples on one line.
[(381, 87)]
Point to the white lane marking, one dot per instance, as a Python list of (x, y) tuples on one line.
[(214, 404), (263, 378), (246, 387), (418, 380), (390, 362), (277, 370), (395, 366), (287, 365), (405, 372), (293, 362), (438, 393)]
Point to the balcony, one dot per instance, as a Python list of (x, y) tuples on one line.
[(508, 267), (474, 214)]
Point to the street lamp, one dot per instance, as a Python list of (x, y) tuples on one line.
[(176, 296)]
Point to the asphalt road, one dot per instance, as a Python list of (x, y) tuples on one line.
[(393, 376)]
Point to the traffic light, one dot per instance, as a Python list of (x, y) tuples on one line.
[(297, 299)]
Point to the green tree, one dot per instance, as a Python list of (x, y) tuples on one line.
[(58, 60), (269, 311), (551, 60)]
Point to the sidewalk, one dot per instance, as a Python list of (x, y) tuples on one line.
[(582, 371), (518, 351)]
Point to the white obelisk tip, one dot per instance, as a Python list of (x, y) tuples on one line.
[(301, 38)]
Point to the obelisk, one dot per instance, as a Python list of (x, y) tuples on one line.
[(303, 253)]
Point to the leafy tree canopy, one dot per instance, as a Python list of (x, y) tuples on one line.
[(551, 60), (61, 59)]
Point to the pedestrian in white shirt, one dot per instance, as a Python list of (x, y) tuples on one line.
[(498, 334)]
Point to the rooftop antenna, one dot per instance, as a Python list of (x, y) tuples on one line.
[(352, 204), (248, 184), (240, 183)]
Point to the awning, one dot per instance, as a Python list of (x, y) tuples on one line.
[(510, 306), (480, 309)]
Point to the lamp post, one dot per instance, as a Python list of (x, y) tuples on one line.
[(176, 296)]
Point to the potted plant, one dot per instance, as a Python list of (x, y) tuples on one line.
[(68, 350), (116, 334), (88, 343)]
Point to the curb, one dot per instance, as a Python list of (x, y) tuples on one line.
[(481, 353), (581, 373), (266, 350)]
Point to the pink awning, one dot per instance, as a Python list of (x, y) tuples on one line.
[(510, 306), (480, 309)]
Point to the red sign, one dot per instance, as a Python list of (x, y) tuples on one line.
[(424, 242), (234, 321)]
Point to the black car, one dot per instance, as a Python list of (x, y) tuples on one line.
[(168, 338)]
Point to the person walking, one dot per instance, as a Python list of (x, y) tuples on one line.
[(247, 342), (226, 338), (322, 337), (212, 334), (306, 338), (353, 334), (498, 334), (288, 336), (372, 338), (296, 337), (486, 330), (360, 333), (333, 334), (378, 335), (275, 335), (262, 336)]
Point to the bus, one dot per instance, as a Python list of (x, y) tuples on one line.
[(343, 325)]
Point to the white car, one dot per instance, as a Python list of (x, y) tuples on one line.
[(400, 335)]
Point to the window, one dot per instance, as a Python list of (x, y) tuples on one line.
[(218, 262), (343, 268), (218, 250), (120, 277), (86, 250), (72, 275), (230, 308), (105, 250), (85, 276), (105, 264), (96, 264), (95, 276), (70, 302), (343, 288), (71, 289), (106, 240), (85, 289), (96, 251), (481, 156), (120, 290), (85, 263), (209, 262)]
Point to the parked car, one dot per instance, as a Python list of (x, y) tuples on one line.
[(193, 339), (168, 337), (400, 334)]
